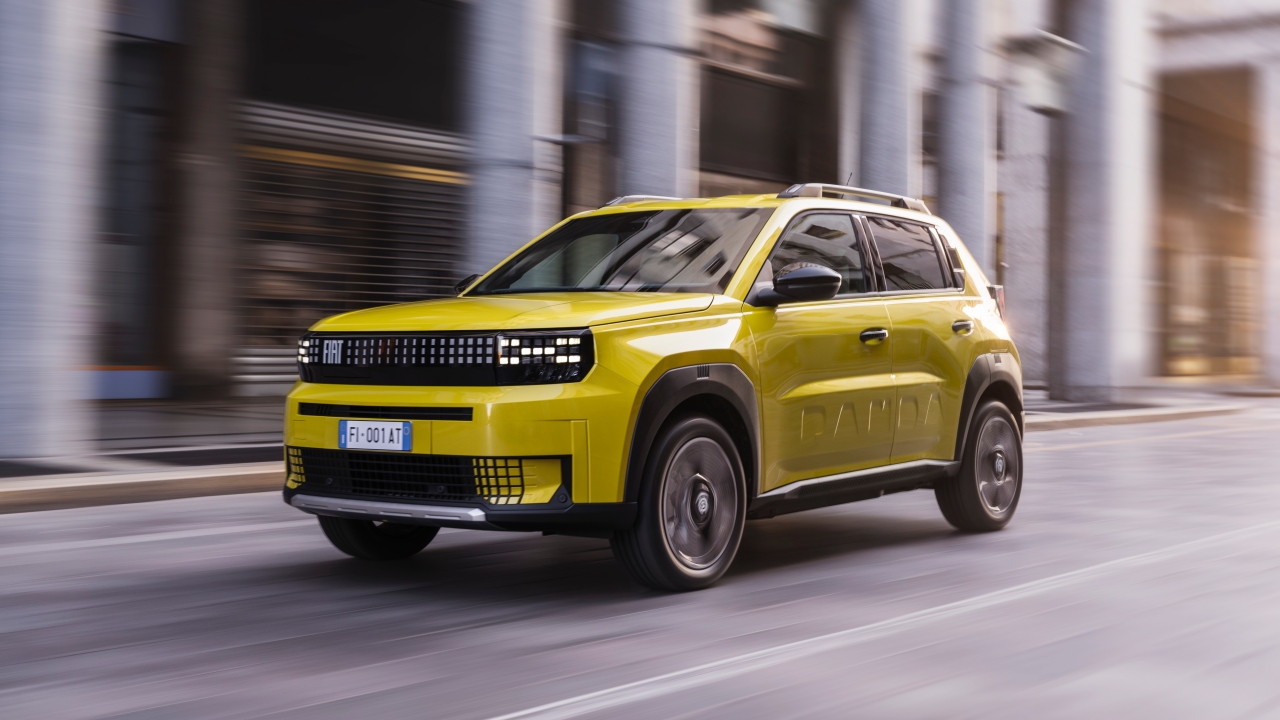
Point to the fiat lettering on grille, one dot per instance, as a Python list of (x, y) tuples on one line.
[(333, 352)]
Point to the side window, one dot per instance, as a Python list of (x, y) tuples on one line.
[(821, 239), (910, 258)]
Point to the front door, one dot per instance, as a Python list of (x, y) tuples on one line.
[(933, 338), (827, 392)]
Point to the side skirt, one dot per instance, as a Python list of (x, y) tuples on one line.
[(850, 487)]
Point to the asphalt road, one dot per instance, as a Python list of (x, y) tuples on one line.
[(1140, 578)]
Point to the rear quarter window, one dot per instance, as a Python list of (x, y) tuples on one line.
[(910, 257)]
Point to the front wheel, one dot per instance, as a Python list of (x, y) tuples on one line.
[(984, 494), (692, 509), (371, 540)]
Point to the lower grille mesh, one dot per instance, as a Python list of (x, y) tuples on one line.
[(499, 481)]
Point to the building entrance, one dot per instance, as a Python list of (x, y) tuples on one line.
[(1209, 272)]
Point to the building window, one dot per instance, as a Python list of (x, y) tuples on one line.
[(768, 100), (396, 59), (590, 107), (134, 194)]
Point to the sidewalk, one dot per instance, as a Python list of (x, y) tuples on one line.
[(157, 451), (142, 425), (162, 452), (57, 492), (1045, 414)]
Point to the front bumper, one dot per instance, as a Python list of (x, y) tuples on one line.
[(585, 422)]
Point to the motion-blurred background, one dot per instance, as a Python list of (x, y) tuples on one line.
[(186, 186)]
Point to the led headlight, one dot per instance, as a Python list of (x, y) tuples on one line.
[(308, 350), (554, 356)]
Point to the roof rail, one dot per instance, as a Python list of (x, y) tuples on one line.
[(625, 199), (817, 190)]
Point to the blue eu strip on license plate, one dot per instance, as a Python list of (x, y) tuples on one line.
[(369, 435)]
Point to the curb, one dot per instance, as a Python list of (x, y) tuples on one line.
[(1064, 421), (85, 490)]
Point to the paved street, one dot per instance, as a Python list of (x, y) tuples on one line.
[(1140, 578)]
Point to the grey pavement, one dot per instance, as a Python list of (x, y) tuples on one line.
[(1140, 578)]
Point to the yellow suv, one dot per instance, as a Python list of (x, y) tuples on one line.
[(660, 370)]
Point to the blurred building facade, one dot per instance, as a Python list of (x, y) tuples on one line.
[(188, 186)]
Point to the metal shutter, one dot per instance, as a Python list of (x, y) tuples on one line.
[(337, 214)]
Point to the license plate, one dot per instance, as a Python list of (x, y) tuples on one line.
[(362, 435)]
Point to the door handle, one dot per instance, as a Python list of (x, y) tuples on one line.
[(873, 336), (962, 327)]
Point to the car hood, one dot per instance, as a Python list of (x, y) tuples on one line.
[(516, 312)]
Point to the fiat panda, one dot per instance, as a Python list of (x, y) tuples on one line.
[(659, 371)]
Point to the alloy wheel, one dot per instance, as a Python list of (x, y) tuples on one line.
[(997, 468), (699, 503)]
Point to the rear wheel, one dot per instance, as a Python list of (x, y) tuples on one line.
[(692, 509), (984, 494), (371, 540)]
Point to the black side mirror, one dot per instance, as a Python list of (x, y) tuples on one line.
[(801, 282), (465, 283)]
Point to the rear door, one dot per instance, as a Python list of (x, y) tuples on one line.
[(827, 393), (933, 341)]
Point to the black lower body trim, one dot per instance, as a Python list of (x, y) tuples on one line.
[(849, 487), (592, 519), (385, 412), (587, 519)]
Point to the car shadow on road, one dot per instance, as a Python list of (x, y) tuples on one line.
[(475, 567), (790, 540), (463, 580)]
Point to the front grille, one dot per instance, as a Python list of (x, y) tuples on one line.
[(496, 480), (460, 359), (385, 412), (440, 359), (411, 350)]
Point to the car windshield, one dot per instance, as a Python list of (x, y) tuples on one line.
[(692, 251)]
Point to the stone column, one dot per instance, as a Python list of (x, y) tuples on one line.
[(549, 45), (884, 154), (51, 57), (513, 84), (657, 98), (1107, 332), (1267, 122), (1024, 179), (963, 129), (500, 116), (848, 58), (205, 325)]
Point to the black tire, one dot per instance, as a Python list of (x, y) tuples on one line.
[(983, 496), (692, 508), (369, 540)]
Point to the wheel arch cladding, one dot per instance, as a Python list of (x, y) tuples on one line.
[(719, 390), (995, 376)]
